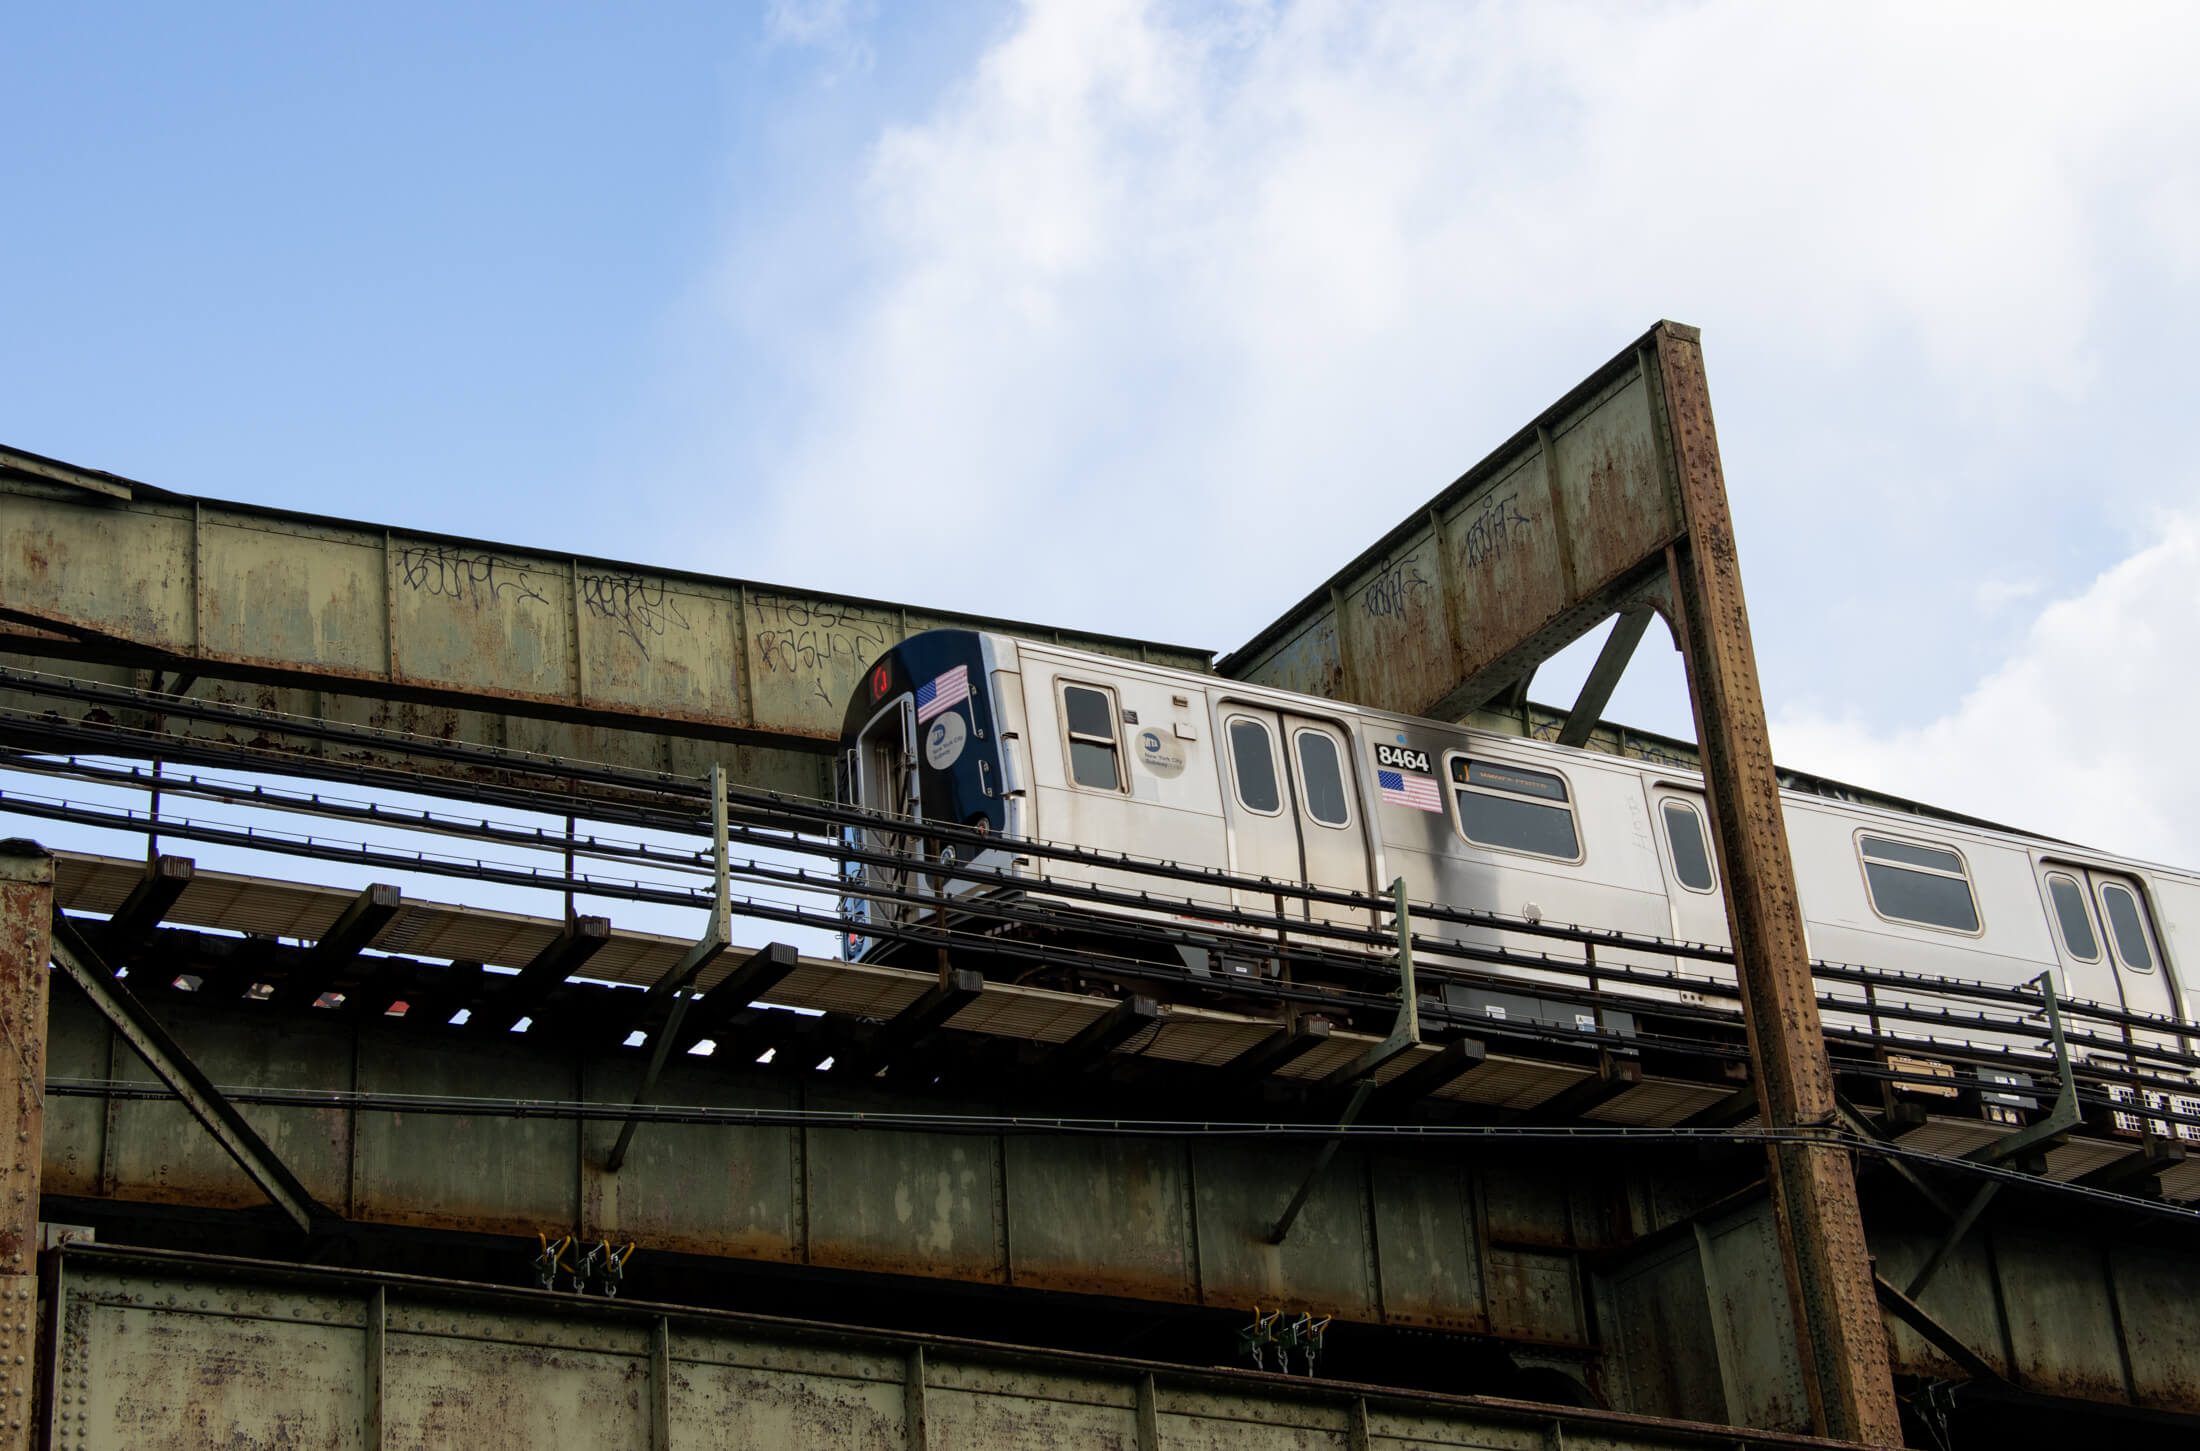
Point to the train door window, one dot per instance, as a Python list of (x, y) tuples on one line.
[(1515, 808), (1321, 778), (1691, 854), (2127, 927), (1253, 762), (2071, 916), (1088, 717), (1927, 885)]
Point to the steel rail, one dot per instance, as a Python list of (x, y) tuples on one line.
[(1017, 914), (803, 816), (809, 811), (802, 842), (804, 813), (841, 887), (1138, 968)]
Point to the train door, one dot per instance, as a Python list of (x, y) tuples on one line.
[(2086, 970), (2105, 939), (2137, 950), (886, 782), (1293, 809), (1682, 825)]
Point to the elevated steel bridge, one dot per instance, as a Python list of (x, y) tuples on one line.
[(1039, 1190)]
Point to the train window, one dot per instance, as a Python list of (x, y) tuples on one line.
[(1253, 761), (1090, 716), (1321, 776), (2126, 927), (1922, 884), (1515, 808), (1691, 857), (2070, 915)]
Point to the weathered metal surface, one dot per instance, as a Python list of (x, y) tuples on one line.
[(182, 1076), (1394, 1240), (436, 635), (26, 910), (692, 1188), (893, 1202), (174, 1351), (2088, 1318), (1701, 1324), (1486, 1246), (1702, 1327), (1525, 551), (1614, 499), (801, 767), (1837, 1318), (1431, 1246), (1698, 1327), (1130, 1233), (157, 1148)]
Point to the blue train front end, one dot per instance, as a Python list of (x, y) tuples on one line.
[(921, 746)]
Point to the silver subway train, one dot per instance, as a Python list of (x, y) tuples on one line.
[(1032, 741)]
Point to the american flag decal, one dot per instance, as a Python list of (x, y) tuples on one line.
[(937, 695), (1405, 788)]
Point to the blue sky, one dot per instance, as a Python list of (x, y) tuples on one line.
[(426, 262), (921, 302)]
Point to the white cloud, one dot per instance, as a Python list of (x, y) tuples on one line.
[(834, 27), (1161, 313), (2077, 735), (1995, 593), (1180, 276), (808, 22)]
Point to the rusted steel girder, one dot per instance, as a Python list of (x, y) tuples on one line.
[(26, 910), (265, 1355), (1838, 1327), (184, 1078), (1613, 501), (423, 633)]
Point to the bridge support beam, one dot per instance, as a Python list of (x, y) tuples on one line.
[(26, 917), (1839, 1332)]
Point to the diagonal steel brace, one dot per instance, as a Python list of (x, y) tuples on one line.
[(1404, 1034), (119, 1006), (2061, 1118), (680, 978)]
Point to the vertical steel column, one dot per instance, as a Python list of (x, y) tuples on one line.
[(1837, 1323), (660, 1384), (912, 1399), (1148, 1415), (374, 1435), (26, 918)]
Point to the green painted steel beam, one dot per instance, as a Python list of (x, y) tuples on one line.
[(417, 631), (246, 1352)]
